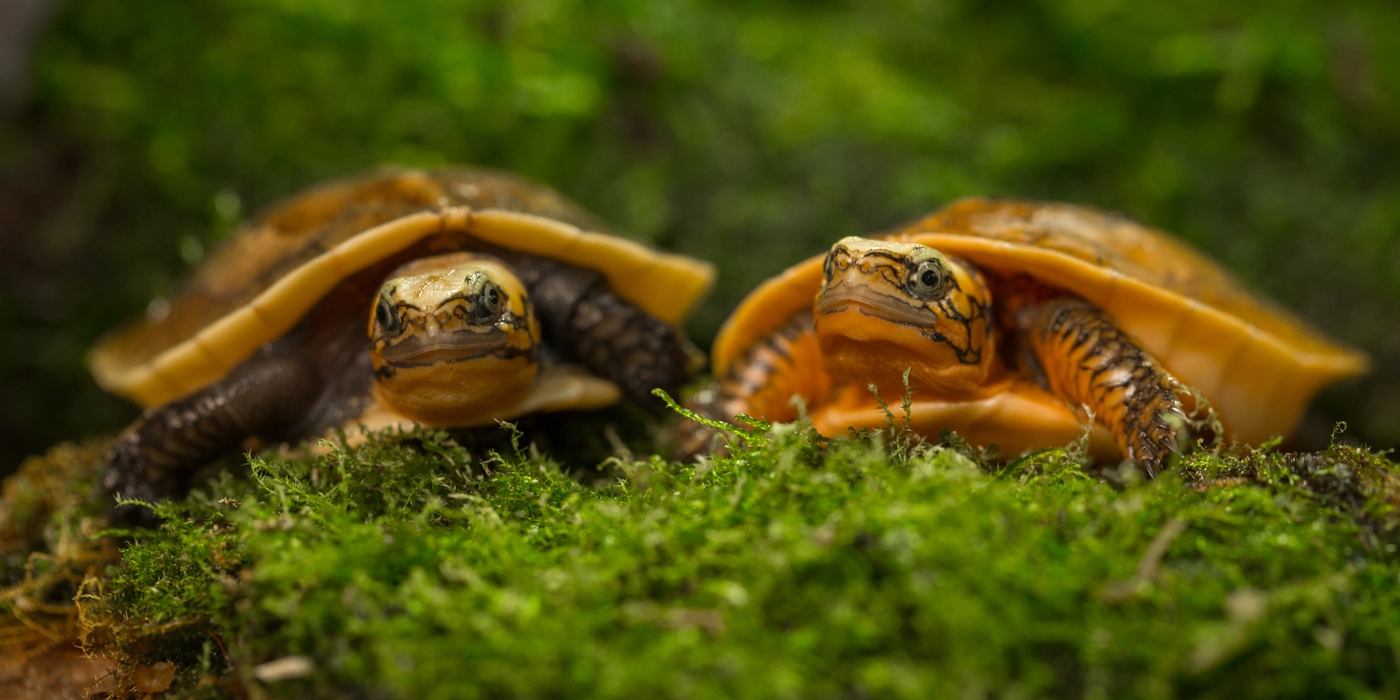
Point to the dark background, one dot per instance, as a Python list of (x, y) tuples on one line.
[(135, 135)]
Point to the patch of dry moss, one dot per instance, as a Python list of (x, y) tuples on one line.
[(48, 548)]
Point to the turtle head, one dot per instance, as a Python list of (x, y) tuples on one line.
[(885, 307), (453, 339)]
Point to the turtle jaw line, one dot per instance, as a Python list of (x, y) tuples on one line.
[(860, 299), (448, 346)]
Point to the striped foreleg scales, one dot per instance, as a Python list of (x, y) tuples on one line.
[(761, 383), (1092, 363)]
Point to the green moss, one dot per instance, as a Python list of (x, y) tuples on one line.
[(410, 566), (751, 134)]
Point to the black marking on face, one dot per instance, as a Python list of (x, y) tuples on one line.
[(889, 272), (482, 301), (484, 324), (929, 284), (840, 258), (503, 352), (967, 354)]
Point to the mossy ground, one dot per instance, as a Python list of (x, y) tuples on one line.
[(412, 566), (752, 134)]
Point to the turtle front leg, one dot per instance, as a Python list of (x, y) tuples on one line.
[(762, 383), (609, 336), (1090, 362), (618, 341), (155, 457)]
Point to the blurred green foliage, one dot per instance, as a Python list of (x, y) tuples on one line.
[(749, 133)]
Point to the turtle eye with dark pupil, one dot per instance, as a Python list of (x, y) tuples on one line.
[(488, 304), (927, 281), (386, 318)]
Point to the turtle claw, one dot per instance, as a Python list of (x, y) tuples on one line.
[(1089, 361)]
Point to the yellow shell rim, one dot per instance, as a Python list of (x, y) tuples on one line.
[(665, 285), (1314, 360), (776, 299)]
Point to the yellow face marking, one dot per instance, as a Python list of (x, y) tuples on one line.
[(886, 306), (453, 337)]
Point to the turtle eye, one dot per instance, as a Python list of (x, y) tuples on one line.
[(386, 318), (928, 281), (488, 304)]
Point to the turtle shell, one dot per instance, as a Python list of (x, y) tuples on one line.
[(1256, 362), (277, 267)]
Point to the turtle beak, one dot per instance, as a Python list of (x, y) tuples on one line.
[(447, 346), (869, 287), (841, 291), (867, 301)]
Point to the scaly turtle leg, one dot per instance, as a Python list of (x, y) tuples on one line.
[(782, 364), (263, 397), (609, 336), (1088, 361), (617, 341)]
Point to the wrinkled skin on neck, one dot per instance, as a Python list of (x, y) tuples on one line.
[(453, 339), (885, 307)]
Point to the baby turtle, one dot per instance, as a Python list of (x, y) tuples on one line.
[(450, 298), (1018, 321)]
